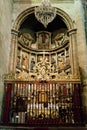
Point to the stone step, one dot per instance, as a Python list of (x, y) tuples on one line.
[(41, 128)]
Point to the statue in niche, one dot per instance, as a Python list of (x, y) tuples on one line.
[(39, 58), (25, 61), (46, 58), (18, 60), (61, 62), (53, 64), (32, 64)]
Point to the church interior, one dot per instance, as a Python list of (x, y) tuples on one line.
[(43, 64)]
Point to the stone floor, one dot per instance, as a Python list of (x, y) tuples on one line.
[(40, 128), (4, 126)]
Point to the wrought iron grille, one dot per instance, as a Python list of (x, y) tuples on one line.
[(46, 102)]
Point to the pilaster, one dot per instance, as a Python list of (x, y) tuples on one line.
[(13, 53)]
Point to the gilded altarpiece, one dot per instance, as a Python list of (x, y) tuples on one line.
[(43, 87)]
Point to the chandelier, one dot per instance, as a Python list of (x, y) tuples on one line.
[(45, 13)]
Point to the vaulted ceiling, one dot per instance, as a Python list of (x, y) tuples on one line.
[(31, 23)]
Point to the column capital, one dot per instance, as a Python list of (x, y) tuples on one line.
[(14, 32), (72, 31)]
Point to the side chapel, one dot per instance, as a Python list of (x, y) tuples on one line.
[(44, 83)]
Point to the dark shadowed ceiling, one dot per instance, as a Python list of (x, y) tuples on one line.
[(32, 24)]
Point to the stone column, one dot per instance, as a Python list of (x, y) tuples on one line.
[(13, 52), (73, 53)]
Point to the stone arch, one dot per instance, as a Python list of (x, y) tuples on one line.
[(21, 17), (18, 22)]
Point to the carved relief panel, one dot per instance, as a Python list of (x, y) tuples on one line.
[(57, 58)]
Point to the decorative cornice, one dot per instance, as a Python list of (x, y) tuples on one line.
[(42, 75)]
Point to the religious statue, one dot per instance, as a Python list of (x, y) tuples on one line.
[(61, 62), (32, 64), (53, 64), (24, 61)]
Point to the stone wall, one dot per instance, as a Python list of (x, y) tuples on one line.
[(5, 37), (21, 5), (82, 53)]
